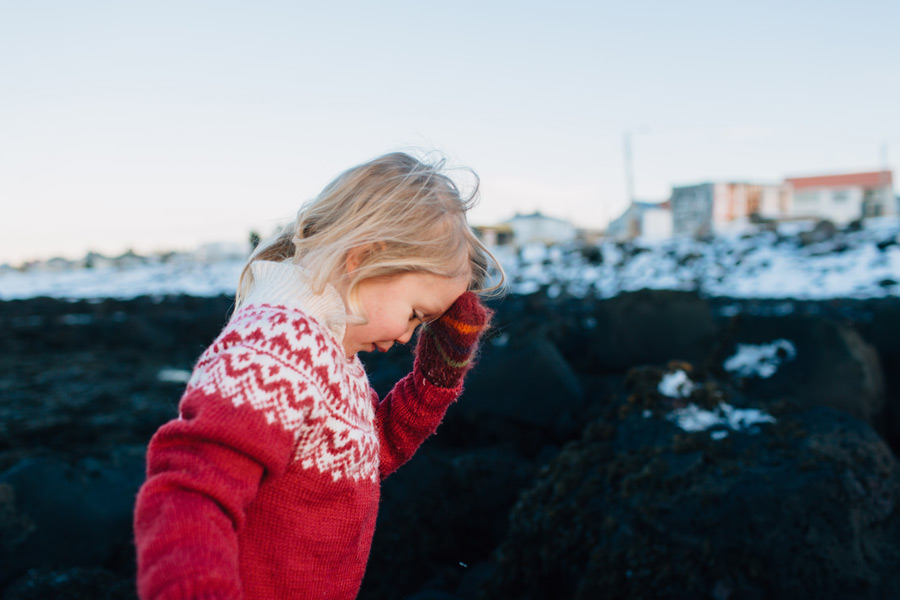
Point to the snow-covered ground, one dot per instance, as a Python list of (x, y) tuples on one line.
[(760, 264)]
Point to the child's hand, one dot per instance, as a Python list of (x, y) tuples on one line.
[(446, 347)]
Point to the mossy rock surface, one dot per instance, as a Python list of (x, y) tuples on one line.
[(805, 507)]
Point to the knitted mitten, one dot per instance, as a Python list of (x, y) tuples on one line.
[(446, 347)]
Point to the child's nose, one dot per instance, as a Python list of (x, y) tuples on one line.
[(408, 334)]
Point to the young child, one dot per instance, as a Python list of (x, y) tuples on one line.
[(267, 485)]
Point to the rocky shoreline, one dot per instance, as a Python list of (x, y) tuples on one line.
[(563, 471)]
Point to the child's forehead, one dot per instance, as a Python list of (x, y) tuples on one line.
[(437, 293), (428, 280)]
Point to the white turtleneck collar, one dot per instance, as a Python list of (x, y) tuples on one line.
[(289, 285)]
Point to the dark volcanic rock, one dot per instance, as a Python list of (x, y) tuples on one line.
[(833, 366), (81, 378), (57, 512), (882, 330), (77, 583), (527, 381), (612, 335), (802, 508), (440, 514), (82, 389), (640, 328)]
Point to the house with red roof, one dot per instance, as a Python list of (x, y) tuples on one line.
[(713, 207), (842, 198)]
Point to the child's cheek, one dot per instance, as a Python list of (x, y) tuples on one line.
[(399, 330)]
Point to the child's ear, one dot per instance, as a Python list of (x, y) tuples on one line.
[(355, 257)]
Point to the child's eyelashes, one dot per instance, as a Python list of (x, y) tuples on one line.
[(421, 317)]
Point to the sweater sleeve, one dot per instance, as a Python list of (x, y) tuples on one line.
[(203, 470), (407, 415)]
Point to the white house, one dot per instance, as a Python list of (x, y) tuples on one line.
[(538, 228), (650, 220), (843, 198), (494, 235)]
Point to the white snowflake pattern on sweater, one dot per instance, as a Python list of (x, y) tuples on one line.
[(288, 366)]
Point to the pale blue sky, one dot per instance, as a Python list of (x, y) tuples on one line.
[(166, 124)]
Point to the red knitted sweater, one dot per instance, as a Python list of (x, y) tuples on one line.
[(267, 485)]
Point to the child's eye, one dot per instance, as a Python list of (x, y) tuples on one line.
[(415, 316)]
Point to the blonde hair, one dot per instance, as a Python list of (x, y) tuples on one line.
[(398, 214)]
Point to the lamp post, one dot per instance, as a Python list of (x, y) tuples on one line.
[(629, 173), (629, 168)]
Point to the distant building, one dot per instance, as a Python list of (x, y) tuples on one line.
[(538, 228), (843, 198), (494, 235), (706, 208), (651, 220)]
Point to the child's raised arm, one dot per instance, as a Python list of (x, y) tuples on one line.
[(445, 351)]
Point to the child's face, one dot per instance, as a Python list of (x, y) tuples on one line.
[(396, 305)]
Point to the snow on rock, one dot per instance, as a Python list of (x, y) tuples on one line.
[(856, 263), (676, 385), (692, 418), (761, 361), (193, 278)]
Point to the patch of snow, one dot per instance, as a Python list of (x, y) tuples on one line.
[(525, 288), (676, 385), (533, 253), (692, 418), (191, 278), (760, 360)]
